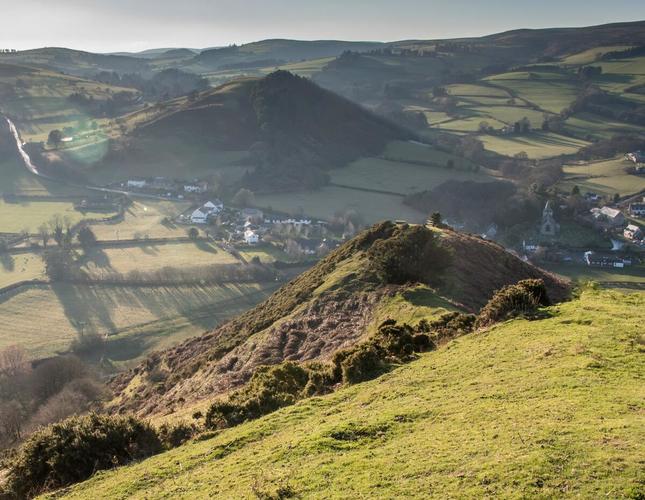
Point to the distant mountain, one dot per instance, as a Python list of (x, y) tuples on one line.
[(76, 62), (325, 309), (160, 52), (279, 50), (293, 129)]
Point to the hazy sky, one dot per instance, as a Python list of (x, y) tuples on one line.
[(132, 25)]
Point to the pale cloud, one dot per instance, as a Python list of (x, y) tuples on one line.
[(113, 25)]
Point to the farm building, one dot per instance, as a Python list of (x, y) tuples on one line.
[(612, 216)]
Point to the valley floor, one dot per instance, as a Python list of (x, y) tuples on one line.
[(527, 409)]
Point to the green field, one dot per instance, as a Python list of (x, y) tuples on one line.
[(536, 144), (528, 409), (551, 92), (45, 319), (266, 253), (605, 177), (591, 55), (150, 256), (324, 203), (582, 273), (599, 127), (30, 215), (22, 267), (145, 218), (398, 177)]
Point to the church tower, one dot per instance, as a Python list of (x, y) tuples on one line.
[(549, 226)]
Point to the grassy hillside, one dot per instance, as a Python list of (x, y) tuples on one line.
[(38, 100), (527, 409), (75, 62)]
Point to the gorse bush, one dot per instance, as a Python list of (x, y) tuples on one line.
[(524, 298), (173, 435), (270, 388), (274, 387), (412, 254), (71, 451)]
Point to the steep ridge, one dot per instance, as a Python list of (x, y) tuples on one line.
[(329, 307)]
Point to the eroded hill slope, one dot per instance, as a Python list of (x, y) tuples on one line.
[(333, 305)]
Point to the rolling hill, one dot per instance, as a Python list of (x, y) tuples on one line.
[(329, 307), (291, 130)]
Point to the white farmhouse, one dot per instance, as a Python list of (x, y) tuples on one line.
[(251, 237), (136, 183), (199, 217)]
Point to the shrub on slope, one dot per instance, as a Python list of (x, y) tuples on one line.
[(72, 450)]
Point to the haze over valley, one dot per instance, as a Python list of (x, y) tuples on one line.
[(366, 250)]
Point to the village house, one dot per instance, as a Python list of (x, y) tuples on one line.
[(199, 217), (251, 237), (136, 183), (197, 187), (633, 232), (637, 209), (611, 216), (636, 157), (210, 208)]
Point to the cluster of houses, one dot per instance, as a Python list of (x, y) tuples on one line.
[(636, 157), (163, 186), (598, 259), (614, 219)]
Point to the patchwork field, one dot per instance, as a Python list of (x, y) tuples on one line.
[(536, 145), (598, 127), (551, 92), (45, 319), (603, 177)]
